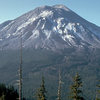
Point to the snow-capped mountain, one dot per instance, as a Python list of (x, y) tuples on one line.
[(49, 27)]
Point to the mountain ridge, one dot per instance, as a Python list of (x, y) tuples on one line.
[(50, 27), (45, 31)]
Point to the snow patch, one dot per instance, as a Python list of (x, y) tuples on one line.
[(43, 26), (8, 35), (82, 28), (46, 13), (14, 33), (35, 34), (47, 33), (60, 22), (1, 39), (69, 37), (78, 24), (62, 7), (71, 27), (31, 20), (7, 25), (54, 29)]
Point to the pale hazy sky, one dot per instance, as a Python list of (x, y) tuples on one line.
[(88, 9)]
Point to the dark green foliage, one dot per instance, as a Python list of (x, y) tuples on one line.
[(8, 93), (98, 92), (41, 94), (76, 88), (97, 98), (2, 97)]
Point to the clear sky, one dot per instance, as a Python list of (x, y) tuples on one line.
[(88, 9)]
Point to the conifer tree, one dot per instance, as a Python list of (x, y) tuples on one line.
[(20, 70), (98, 93), (41, 94), (2, 97), (76, 92), (8, 93)]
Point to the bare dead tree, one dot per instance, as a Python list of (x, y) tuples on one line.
[(59, 86), (20, 70)]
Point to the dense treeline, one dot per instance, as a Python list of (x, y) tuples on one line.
[(8, 93)]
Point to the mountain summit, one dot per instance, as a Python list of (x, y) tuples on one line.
[(53, 37), (49, 27)]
